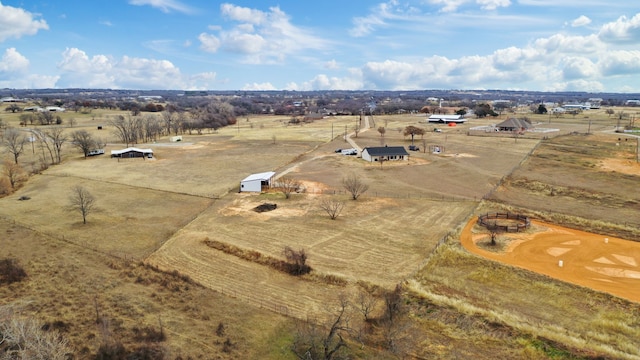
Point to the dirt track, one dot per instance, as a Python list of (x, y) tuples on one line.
[(602, 263)]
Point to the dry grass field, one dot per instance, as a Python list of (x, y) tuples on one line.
[(159, 212)]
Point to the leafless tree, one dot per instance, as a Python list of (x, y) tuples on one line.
[(366, 303), (59, 138), (297, 261), (355, 186), (13, 172), (333, 208), (14, 141), (72, 122), (43, 142), (83, 141), (24, 338), (288, 186), (324, 341), (81, 201), (127, 129)]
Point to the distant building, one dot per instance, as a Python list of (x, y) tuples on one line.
[(436, 118), (132, 152), (385, 153), (257, 182), (514, 124)]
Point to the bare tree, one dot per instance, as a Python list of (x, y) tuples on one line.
[(366, 304), (43, 142), (333, 208), (297, 261), (288, 185), (24, 338), (13, 172), (127, 130), (317, 341), (58, 138), (354, 185), (14, 142), (81, 201), (83, 141)]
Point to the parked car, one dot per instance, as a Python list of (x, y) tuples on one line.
[(338, 150), (95, 152), (414, 148)]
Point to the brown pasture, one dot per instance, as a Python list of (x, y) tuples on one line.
[(161, 210)]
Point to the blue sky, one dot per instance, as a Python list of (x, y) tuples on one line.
[(533, 45)]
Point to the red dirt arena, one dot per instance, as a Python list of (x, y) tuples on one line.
[(601, 263)]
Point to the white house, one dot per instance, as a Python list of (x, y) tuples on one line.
[(437, 118), (385, 153), (132, 152), (55, 108), (256, 182)]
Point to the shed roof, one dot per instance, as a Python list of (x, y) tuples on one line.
[(260, 176), (129, 149), (386, 150), (515, 124)]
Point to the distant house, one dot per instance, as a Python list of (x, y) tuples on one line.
[(313, 116), (437, 118), (33, 108), (514, 124), (55, 108), (132, 152), (257, 182), (385, 153)]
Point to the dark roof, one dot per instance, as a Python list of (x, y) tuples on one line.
[(386, 150), (514, 123)]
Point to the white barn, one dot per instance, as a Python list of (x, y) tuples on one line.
[(437, 118), (256, 182)]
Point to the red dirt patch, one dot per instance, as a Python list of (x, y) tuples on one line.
[(602, 263)]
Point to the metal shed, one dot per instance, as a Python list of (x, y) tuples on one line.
[(256, 182)]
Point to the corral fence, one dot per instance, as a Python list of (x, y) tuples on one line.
[(486, 220)]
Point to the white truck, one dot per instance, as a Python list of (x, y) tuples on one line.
[(351, 151)]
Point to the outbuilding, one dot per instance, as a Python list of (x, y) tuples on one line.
[(385, 153), (257, 182), (442, 119), (132, 152)]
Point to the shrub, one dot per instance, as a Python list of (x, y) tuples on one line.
[(11, 271)]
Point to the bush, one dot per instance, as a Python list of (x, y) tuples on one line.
[(11, 271)]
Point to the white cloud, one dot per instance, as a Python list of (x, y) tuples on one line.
[(209, 43), (620, 62), (101, 71), (578, 68), (453, 5), (259, 87), (16, 22), (243, 14), (493, 4), (581, 21), (13, 63), (261, 37), (622, 30), (331, 64), (449, 5), (165, 6)]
